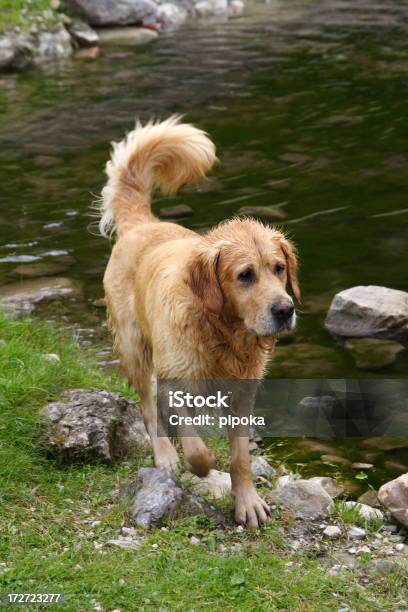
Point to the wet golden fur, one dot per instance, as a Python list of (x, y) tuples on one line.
[(175, 306)]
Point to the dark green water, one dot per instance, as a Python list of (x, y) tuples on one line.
[(306, 102)]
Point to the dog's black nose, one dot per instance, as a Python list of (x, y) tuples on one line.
[(282, 310)]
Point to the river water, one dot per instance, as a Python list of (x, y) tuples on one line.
[(306, 102)]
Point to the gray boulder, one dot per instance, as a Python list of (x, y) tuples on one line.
[(171, 15), (23, 297), (16, 51), (369, 311), (301, 498), (373, 353), (113, 12), (88, 424), (394, 497), (157, 494), (53, 45)]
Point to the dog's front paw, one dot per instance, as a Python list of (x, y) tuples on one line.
[(250, 509), (165, 455)]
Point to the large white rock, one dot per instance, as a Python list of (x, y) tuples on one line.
[(366, 512), (394, 496), (53, 45), (369, 311)]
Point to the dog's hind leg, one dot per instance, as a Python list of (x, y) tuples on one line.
[(136, 362)]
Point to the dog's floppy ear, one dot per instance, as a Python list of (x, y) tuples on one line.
[(292, 266), (203, 280)]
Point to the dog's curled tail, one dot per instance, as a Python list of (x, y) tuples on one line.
[(163, 154)]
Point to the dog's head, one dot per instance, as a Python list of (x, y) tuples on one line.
[(243, 270)]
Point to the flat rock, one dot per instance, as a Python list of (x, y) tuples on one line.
[(394, 497), (216, 484), (373, 353), (263, 212), (302, 498), (176, 212), (369, 311), (127, 36), (357, 465), (113, 12), (366, 512), (23, 297), (260, 467), (304, 360), (156, 494), (36, 270), (86, 424), (385, 443)]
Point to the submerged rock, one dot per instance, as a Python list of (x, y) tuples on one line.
[(157, 495), (373, 353), (176, 212), (263, 212), (302, 498), (394, 497), (23, 297), (39, 269), (369, 311), (113, 12), (305, 360), (86, 424), (127, 36)]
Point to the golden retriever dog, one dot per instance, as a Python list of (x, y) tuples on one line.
[(189, 306)]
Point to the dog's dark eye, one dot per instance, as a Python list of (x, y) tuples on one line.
[(279, 268), (246, 276)]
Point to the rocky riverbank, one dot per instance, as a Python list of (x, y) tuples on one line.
[(83, 26)]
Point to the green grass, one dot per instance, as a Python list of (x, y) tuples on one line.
[(53, 519), (24, 14)]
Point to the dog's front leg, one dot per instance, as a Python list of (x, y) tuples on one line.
[(250, 509)]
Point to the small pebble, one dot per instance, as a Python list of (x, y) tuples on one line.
[(195, 540), (332, 531), (155, 546), (400, 547), (239, 529), (356, 533)]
